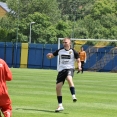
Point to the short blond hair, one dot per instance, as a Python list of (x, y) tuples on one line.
[(66, 38)]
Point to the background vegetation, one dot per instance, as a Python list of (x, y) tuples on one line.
[(59, 18)]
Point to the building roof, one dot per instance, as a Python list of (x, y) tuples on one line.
[(4, 6)]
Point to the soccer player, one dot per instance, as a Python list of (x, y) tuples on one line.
[(5, 102), (67, 57), (83, 58)]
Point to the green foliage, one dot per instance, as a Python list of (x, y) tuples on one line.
[(25, 7), (38, 29), (102, 21), (3, 0), (43, 12), (75, 8), (60, 18), (103, 8), (3, 34), (6, 29), (63, 29), (114, 44)]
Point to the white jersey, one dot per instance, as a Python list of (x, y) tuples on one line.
[(66, 58)]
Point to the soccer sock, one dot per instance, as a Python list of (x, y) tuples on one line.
[(72, 90), (59, 98)]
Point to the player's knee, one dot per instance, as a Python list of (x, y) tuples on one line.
[(58, 87)]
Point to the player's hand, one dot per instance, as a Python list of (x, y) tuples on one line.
[(85, 61), (49, 55)]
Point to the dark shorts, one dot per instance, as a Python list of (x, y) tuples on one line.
[(63, 74)]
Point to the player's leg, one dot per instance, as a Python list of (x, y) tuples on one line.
[(59, 96), (60, 81), (71, 84), (72, 88), (7, 110), (82, 66)]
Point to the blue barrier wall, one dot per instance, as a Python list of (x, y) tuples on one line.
[(98, 59), (47, 62), (35, 56), (16, 55), (9, 56), (10, 53), (2, 50), (54, 60), (101, 59)]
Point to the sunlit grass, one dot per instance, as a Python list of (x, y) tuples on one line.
[(33, 94)]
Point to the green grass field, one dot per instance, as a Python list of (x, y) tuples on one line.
[(33, 94)]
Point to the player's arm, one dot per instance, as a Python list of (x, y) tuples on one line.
[(79, 64), (77, 57), (8, 72)]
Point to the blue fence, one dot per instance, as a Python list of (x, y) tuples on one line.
[(98, 59), (101, 59), (11, 53), (35, 56)]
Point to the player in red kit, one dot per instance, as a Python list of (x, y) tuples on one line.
[(5, 102)]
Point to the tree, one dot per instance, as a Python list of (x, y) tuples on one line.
[(105, 13), (75, 8), (100, 23), (103, 8), (3, 0), (42, 30), (7, 29), (25, 7), (79, 19), (63, 29)]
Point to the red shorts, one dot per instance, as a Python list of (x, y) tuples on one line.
[(6, 110)]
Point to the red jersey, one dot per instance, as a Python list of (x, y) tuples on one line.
[(5, 75)]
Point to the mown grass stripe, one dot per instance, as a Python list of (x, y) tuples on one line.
[(33, 94)]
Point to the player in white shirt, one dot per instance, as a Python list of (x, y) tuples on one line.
[(67, 57)]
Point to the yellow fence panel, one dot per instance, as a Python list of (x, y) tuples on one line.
[(24, 55)]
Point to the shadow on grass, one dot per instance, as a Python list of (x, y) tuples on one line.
[(40, 110)]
